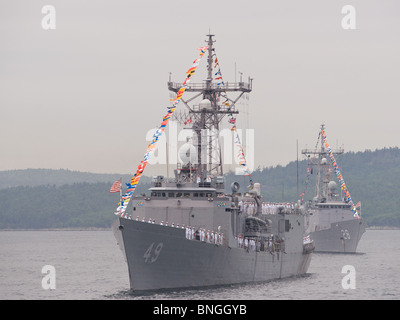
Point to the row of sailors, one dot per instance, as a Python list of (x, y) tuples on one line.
[(191, 233), (273, 208), (210, 236), (250, 208), (271, 245), (153, 221)]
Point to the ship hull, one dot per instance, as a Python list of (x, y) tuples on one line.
[(160, 257), (340, 237)]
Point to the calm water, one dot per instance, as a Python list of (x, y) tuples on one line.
[(89, 265)]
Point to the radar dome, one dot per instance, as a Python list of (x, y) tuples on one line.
[(324, 161), (205, 104), (188, 153), (332, 186), (257, 188)]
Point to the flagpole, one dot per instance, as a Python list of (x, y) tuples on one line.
[(167, 156), (297, 167), (120, 197)]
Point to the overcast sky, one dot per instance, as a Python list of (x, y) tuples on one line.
[(84, 96)]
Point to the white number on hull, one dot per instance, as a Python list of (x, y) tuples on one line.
[(150, 256), (345, 234)]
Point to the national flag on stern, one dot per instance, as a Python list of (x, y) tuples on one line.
[(116, 186), (358, 205)]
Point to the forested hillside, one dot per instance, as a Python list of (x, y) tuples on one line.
[(39, 177), (78, 205), (45, 198)]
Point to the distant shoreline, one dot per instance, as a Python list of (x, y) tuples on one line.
[(382, 228)]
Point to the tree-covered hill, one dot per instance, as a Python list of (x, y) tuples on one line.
[(78, 205), (39, 177), (67, 206)]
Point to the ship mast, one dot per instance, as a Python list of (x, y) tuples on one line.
[(320, 194), (322, 164), (206, 117)]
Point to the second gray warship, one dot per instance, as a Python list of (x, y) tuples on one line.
[(332, 220), (187, 232)]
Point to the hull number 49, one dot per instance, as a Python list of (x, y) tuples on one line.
[(151, 256)]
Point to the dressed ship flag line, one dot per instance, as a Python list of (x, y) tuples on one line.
[(339, 176), (231, 120), (125, 198)]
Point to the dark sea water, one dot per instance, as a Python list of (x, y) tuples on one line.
[(89, 265)]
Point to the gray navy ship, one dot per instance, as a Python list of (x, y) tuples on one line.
[(188, 232), (330, 220)]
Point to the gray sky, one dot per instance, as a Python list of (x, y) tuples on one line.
[(83, 96)]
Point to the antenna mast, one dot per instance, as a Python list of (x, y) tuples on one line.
[(206, 117)]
